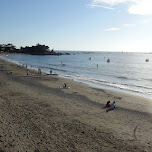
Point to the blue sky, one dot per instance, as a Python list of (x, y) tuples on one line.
[(87, 25)]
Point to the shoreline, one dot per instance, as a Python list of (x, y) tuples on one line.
[(36, 115), (99, 86), (91, 84)]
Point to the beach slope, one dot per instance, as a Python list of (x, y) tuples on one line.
[(37, 116)]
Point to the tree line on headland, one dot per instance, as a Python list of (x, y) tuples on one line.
[(33, 50)]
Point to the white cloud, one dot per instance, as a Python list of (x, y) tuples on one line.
[(112, 29), (140, 7), (145, 21), (112, 2), (143, 7), (98, 5), (129, 25)]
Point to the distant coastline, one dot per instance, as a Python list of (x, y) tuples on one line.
[(33, 50)]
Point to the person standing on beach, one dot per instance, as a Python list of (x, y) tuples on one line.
[(39, 71), (27, 72)]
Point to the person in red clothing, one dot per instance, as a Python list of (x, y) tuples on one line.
[(107, 104)]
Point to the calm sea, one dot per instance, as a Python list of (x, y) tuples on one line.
[(127, 72)]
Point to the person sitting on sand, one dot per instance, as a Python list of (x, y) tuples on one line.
[(64, 86), (107, 104), (9, 72), (111, 107)]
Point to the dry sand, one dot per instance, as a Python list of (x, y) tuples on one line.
[(37, 116)]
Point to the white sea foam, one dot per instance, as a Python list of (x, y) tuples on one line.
[(142, 90)]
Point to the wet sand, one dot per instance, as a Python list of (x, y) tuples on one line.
[(37, 116)]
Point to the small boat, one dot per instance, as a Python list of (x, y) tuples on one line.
[(108, 60), (147, 60), (90, 58)]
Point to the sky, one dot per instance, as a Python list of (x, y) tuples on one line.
[(78, 25)]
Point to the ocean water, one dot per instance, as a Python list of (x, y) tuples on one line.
[(126, 72)]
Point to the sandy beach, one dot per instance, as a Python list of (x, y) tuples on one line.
[(37, 116)]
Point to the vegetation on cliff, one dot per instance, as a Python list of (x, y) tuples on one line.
[(33, 50)]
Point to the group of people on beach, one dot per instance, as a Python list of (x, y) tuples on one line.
[(39, 71), (110, 106)]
